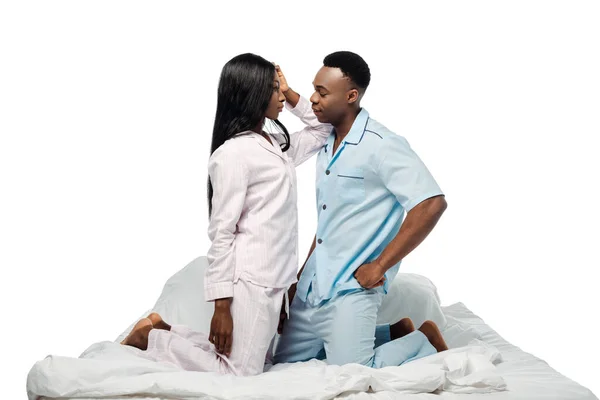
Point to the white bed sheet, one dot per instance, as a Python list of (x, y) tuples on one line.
[(526, 376)]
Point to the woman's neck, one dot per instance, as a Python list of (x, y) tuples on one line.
[(258, 128)]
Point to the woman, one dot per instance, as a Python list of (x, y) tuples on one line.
[(253, 227)]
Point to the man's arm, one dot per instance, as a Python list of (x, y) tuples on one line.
[(405, 175), (292, 289), (312, 248), (419, 222)]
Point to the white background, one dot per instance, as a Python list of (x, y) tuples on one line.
[(106, 112)]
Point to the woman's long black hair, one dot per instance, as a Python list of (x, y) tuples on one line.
[(245, 89)]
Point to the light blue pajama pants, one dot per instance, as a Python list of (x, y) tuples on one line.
[(343, 330)]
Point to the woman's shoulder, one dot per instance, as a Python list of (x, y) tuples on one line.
[(232, 148)]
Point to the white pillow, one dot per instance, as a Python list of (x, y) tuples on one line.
[(182, 300), (413, 296)]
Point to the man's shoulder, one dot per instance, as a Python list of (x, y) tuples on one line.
[(380, 135)]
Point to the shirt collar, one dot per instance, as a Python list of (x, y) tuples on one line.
[(330, 140), (273, 148), (358, 127), (356, 131)]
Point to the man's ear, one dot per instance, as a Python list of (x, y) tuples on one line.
[(353, 96)]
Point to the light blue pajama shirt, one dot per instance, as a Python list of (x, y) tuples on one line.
[(363, 192)]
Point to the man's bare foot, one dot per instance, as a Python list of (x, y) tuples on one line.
[(139, 334), (158, 322), (431, 330), (401, 328)]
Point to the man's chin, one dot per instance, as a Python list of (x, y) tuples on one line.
[(321, 118)]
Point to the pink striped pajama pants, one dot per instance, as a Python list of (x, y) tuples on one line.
[(255, 313)]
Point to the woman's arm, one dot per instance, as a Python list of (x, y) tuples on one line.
[(310, 140), (229, 179)]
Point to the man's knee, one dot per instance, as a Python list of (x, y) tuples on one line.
[(295, 348)]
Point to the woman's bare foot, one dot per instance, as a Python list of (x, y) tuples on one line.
[(431, 330), (158, 322), (139, 334), (401, 328)]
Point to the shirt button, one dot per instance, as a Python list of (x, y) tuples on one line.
[(324, 206), (319, 241), (327, 172)]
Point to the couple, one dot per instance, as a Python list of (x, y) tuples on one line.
[(367, 178)]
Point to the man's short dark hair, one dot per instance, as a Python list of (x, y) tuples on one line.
[(352, 66)]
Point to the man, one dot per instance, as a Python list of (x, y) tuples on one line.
[(367, 178)]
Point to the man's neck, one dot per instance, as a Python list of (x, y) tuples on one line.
[(343, 127)]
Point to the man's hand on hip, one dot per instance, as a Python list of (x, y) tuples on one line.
[(370, 275)]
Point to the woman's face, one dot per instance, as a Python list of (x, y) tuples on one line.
[(277, 99)]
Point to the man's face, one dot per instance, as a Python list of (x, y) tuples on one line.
[(332, 96)]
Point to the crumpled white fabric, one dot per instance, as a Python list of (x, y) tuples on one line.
[(109, 369)]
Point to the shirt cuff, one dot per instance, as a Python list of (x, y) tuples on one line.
[(301, 107), (419, 199), (219, 290)]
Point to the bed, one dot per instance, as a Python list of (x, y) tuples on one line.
[(479, 365)]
